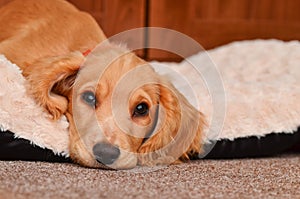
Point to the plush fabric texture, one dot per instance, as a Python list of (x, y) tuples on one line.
[(261, 79), (20, 114)]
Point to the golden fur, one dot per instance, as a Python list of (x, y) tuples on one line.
[(46, 38)]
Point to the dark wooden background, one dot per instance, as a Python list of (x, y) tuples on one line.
[(210, 22)]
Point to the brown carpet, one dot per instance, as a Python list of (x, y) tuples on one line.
[(276, 177)]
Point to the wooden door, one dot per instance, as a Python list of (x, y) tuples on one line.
[(216, 22), (209, 22), (3, 2)]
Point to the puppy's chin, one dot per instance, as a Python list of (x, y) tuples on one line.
[(127, 160)]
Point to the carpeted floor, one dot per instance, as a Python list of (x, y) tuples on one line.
[(276, 177)]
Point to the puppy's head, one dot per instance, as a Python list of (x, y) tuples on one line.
[(122, 113)]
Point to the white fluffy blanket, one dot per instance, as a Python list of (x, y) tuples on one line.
[(21, 115), (261, 80)]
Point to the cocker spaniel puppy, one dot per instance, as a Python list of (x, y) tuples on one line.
[(121, 112)]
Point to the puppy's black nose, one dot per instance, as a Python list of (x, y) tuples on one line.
[(106, 153)]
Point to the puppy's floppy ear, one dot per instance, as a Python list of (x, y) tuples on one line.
[(50, 81), (179, 134)]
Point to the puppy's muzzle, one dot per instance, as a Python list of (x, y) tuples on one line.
[(106, 153)]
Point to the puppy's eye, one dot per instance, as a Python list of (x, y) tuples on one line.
[(140, 110), (89, 98)]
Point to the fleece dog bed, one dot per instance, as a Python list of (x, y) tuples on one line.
[(26, 131), (261, 80)]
